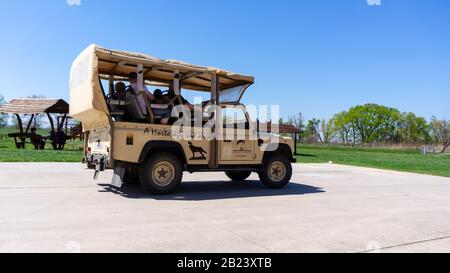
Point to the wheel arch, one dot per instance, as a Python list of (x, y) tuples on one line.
[(282, 149), (172, 147)]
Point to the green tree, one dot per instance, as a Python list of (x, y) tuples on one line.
[(343, 127), (373, 122), (312, 131), (412, 129)]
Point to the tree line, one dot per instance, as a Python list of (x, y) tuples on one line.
[(373, 124)]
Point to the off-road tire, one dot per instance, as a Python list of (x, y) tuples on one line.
[(276, 172), (161, 174), (238, 176)]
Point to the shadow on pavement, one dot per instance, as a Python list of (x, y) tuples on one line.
[(213, 190)]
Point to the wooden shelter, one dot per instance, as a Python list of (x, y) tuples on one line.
[(281, 129), (33, 107)]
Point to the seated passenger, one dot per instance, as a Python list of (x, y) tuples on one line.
[(164, 113), (119, 91), (134, 89), (179, 101)]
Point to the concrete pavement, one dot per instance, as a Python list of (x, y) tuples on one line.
[(57, 207)]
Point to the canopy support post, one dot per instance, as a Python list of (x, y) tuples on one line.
[(140, 77), (215, 100), (176, 83), (111, 86)]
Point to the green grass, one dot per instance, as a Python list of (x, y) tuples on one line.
[(73, 151), (399, 160)]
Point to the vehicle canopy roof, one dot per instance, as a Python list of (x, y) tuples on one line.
[(87, 98), (158, 71)]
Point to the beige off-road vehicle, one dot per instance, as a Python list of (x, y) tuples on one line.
[(126, 134)]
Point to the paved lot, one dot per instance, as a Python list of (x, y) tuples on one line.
[(327, 208)]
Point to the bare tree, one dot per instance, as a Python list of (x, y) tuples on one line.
[(440, 130)]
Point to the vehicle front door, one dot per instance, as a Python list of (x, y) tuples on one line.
[(237, 143)]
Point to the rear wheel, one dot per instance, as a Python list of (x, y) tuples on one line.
[(238, 176), (161, 173), (276, 172)]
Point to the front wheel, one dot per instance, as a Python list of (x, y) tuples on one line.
[(276, 172), (238, 176), (161, 174)]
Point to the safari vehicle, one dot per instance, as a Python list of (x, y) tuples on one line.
[(139, 149)]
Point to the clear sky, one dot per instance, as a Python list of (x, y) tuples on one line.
[(317, 57)]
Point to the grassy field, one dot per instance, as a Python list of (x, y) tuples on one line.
[(399, 160), (73, 151)]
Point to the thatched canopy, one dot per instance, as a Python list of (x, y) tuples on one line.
[(158, 71), (35, 106)]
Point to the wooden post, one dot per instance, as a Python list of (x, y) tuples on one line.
[(111, 86), (52, 124), (176, 83), (63, 120), (19, 123), (58, 118), (29, 124), (20, 145), (140, 78), (66, 126)]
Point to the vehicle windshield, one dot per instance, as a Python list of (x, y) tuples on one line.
[(232, 95)]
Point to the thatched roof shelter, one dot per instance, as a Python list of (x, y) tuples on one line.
[(35, 106), (281, 128)]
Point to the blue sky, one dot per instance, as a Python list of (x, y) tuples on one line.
[(317, 57)]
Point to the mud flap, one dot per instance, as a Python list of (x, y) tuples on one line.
[(117, 179)]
